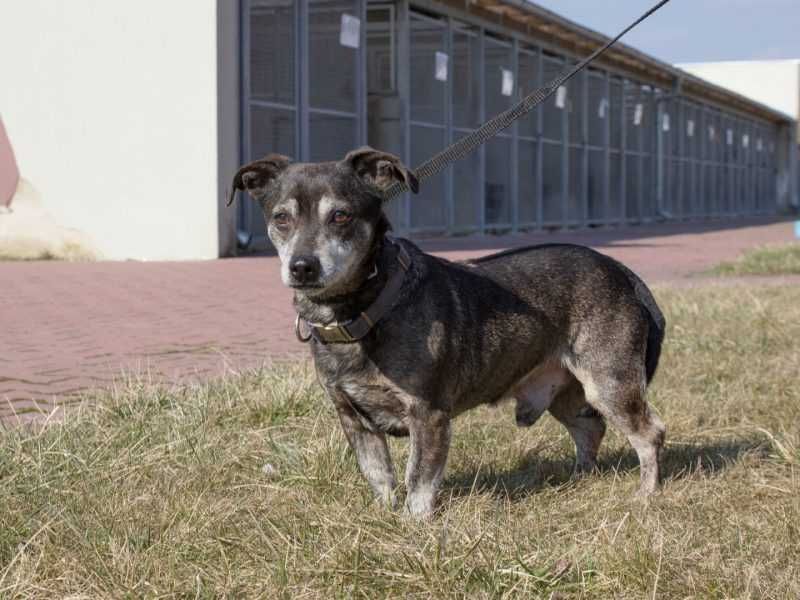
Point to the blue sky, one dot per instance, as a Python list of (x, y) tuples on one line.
[(695, 30)]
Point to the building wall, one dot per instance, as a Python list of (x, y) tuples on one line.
[(775, 83), (111, 108), (609, 148)]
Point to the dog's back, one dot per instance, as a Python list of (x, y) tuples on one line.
[(572, 275)]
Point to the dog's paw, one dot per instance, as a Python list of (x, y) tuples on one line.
[(420, 506)]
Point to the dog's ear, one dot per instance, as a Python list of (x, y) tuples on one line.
[(256, 176), (381, 169)]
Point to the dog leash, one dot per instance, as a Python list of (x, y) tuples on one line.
[(493, 126)]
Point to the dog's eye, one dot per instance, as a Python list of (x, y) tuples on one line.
[(341, 217), (281, 219)]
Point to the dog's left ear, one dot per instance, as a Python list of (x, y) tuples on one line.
[(381, 169), (256, 176)]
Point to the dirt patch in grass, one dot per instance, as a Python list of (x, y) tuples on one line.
[(246, 488), (768, 260)]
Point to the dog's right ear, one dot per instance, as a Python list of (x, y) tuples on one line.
[(256, 176), (381, 169)]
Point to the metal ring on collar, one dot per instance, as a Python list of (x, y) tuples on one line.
[(297, 331)]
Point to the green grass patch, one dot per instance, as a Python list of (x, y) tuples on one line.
[(769, 260), (246, 488)]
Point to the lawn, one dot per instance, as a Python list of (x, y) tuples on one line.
[(768, 260), (246, 488)]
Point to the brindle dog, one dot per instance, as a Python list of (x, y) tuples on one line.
[(557, 327)]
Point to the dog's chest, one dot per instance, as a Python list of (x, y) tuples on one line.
[(379, 405)]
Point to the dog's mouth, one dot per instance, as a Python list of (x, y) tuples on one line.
[(306, 286)]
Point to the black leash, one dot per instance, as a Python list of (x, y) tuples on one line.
[(467, 144)]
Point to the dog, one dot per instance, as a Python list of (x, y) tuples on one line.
[(403, 342)]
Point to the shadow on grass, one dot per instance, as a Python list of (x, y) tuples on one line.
[(533, 473)]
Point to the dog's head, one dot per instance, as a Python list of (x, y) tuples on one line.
[(325, 219)]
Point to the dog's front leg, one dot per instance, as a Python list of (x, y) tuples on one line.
[(430, 441), (372, 454)]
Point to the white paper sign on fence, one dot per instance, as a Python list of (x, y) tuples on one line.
[(441, 66), (712, 133), (638, 113), (602, 108), (745, 141), (508, 83), (729, 136), (665, 119), (690, 128), (350, 32), (561, 96)]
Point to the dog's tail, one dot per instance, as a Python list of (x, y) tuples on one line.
[(656, 320)]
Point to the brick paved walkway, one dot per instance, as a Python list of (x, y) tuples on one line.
[(66, 327)]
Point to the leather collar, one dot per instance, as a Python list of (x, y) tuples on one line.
[(355, 329)]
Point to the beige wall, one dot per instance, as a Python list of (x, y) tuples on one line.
[(775, 83), (111, 108)]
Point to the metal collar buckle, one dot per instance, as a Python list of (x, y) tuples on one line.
[(334, 334)]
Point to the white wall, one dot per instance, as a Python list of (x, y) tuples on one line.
[(111, 107), (775, 83)]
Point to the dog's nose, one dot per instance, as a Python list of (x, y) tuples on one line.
[(304, 269)]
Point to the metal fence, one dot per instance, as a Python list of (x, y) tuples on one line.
[(321, 77)]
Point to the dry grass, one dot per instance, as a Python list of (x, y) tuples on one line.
[(768, 260), (246, 488)]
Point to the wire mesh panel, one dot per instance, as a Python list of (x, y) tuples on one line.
[(691, 151), (553, 108), (467, 192), (615, 113), (466, 78), (596, 182), (428, 111), (597, 115), (527, 145), (632, 191), (553, 126), (672, 169), (617, 123), (575, 101), (761, 168), (575, 185), (527, 188), (333, 71), (597, 109), (647, 181), (716, 153), (729, 159), (497, 201), (385, 109), (634, 118), (616, 208), (527, 82), (332, 65), (499, 92), (271, 51), (576, 171), (428, 92), (270, 115), (552, 191), (428, 207)]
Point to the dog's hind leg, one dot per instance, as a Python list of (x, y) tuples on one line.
[(621, 401), (584, 424), (430, 441)]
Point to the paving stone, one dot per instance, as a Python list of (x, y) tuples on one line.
[(67, 327)]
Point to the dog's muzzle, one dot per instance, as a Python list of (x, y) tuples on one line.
[(352, 331)]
